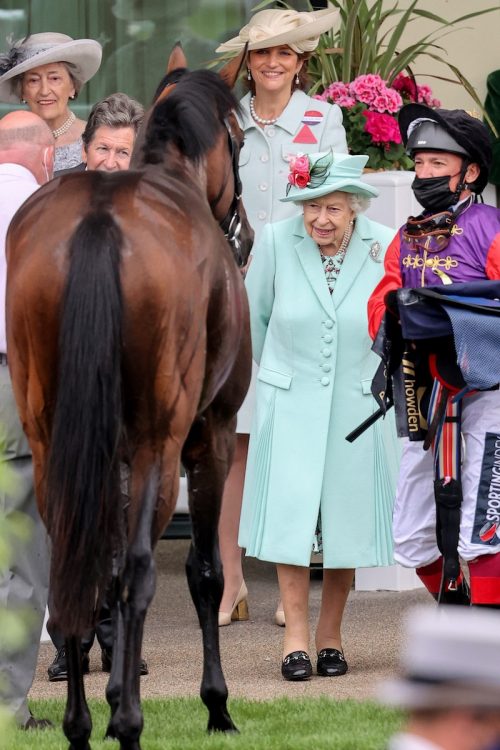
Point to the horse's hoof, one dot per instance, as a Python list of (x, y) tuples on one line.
[(223, 723), (110, 733)]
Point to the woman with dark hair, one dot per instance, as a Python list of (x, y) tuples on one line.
[(46, 71), (280, 121)]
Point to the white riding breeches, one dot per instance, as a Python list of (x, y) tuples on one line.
[(414, 521)]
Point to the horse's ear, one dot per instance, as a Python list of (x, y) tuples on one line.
[(229, 73), (177, 59)]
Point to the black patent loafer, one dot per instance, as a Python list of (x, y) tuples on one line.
[(107, 656), (58, 670), (296, 666), (331, 663)]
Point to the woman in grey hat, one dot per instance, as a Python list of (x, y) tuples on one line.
[(46, 71)]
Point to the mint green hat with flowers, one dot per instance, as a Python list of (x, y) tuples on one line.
[(314, 175)]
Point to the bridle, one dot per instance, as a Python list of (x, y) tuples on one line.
[(231, 223)]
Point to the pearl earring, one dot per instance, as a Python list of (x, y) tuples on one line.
[(297, 79), (249, 75), (23, 101), (72, 96)]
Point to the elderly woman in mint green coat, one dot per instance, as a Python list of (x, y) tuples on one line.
[(308, 287)]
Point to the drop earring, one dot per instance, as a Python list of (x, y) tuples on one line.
[(297, 79), (249, 75)]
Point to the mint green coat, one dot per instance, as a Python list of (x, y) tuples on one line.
[(315, 371)]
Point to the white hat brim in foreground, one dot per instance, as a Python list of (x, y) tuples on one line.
[(408, 694), (84, 54), (450, 657)]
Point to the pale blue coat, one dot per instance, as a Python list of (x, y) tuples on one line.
[(315, 371), (264, 164)]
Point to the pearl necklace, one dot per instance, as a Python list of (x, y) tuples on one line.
[(65, 126), (345, 241), (260, 120)]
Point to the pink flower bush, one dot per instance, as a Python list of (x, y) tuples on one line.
[(339, 93), (411, 92), (373, 90), (370, 108), (383, 129)]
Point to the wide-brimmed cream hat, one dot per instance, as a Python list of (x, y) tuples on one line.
[(41, 49), (450, 658), (273, 27)]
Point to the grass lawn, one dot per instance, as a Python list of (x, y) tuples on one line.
[(179, 724)]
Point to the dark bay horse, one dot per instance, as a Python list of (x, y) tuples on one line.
[(129, 350)]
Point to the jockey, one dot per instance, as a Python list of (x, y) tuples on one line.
[(456, 239)]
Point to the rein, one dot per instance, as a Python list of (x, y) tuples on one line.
[(231, 223)]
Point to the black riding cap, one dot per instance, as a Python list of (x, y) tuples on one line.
[(468, 132)]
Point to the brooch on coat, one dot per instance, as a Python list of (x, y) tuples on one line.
[(375, 250)]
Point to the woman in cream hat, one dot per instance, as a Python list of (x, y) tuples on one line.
[(45, 71), (306, 488), (279, 120)]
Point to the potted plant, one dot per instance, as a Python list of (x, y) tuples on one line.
[(362, 66)]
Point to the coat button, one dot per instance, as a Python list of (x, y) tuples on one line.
[(328, 323), (264, 158), (262, 215), (270, 131), (328, 338), (326, 367), (325, 381), (263, 186), (326, 352)]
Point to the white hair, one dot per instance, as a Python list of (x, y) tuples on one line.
[(359, 202)]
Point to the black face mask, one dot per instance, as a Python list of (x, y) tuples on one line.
[(434, 194)]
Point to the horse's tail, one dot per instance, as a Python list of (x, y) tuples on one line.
[(83, 483)]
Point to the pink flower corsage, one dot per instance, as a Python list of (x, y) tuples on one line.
[(300, 171)]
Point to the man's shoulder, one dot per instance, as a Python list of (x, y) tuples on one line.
[(482, 212), (79, 168), (16, 183)]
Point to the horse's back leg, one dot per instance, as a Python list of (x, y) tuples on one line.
[(136, 590), (205, 460), (77, 723)]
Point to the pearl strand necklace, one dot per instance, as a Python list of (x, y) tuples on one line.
[(260, 120), (65, 126)]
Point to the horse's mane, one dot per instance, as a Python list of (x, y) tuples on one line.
[(189, 117)]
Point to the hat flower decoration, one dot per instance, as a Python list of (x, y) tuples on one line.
[(300, 171), (307, 173)]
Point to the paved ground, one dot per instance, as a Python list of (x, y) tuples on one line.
[(251, 651)]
